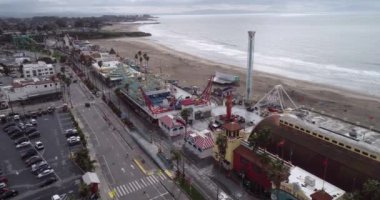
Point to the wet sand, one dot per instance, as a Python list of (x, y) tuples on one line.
[(194, 71)]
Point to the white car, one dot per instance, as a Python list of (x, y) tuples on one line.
[(23, 144), (39, 145), (33, 121), (45, 173), (3, 185), (71, 130), (16, 117), (73, 139), (223, 196), (28, 125), (37, 165)]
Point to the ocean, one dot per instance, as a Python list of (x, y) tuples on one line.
[(341, 50)]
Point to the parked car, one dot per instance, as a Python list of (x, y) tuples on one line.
[(28, 153), (21, 140), (34, 122), (8, 194), (3, 179), (35, 134), (35, 166), (16, 117), (41, 169), (48, 181), (8, 125), (17, 135), (30, 130), (32, 160), (13, 129), (45, 173), (39, 145), (71, 130), (21, 125), (23, 144), (73, 140), (3, 185)]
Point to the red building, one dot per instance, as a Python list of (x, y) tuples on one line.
[(250, 169)]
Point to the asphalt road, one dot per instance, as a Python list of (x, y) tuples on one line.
[(111, 143), (202, 176)]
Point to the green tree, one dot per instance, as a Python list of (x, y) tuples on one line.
[(63, 69), (277, 172), (221, 143), (176, 156), (61, 23), (112, 51), (371, 189), (261, 138)]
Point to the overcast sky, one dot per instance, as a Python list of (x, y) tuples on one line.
[(99, 7)]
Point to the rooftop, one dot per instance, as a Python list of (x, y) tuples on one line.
[(310, 184), (352, 134)]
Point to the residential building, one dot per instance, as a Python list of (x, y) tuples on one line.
[(171, 125), (28, 88), (39, 69)]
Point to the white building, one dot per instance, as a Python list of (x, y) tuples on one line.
[(39, 69), (305, 186), (170, 126), (199, 143), (27, 88)]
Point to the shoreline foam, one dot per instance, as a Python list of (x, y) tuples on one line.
[(192, 70)]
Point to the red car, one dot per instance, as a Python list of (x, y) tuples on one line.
[(3, 179)]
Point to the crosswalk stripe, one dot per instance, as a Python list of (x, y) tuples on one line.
[(137, 183), (122, 190), (142, 180), (151, 180), (126, 189), (137, 188), (132, 186), (162, 178), (155, 179), (118, 193)]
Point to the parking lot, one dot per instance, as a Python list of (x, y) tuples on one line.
[(56, 153)]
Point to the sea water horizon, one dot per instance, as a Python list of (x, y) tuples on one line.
[(340, 50)]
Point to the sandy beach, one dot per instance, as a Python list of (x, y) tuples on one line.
[(191, 70)]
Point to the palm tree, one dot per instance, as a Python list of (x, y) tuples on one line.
[(277, 172), (221, 142), (261, 138), (185, 114), (176, 156), (136, 58), (112, 51)]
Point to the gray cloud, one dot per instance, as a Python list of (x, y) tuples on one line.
[(99, 7)]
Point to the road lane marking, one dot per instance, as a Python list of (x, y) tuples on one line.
[(122, 189), (155, 179), (125, 188), (137, 188), (133, 188), (118, 194), (162, 178), (108, 168), (142, 180), (151, 180), (140, 187)]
